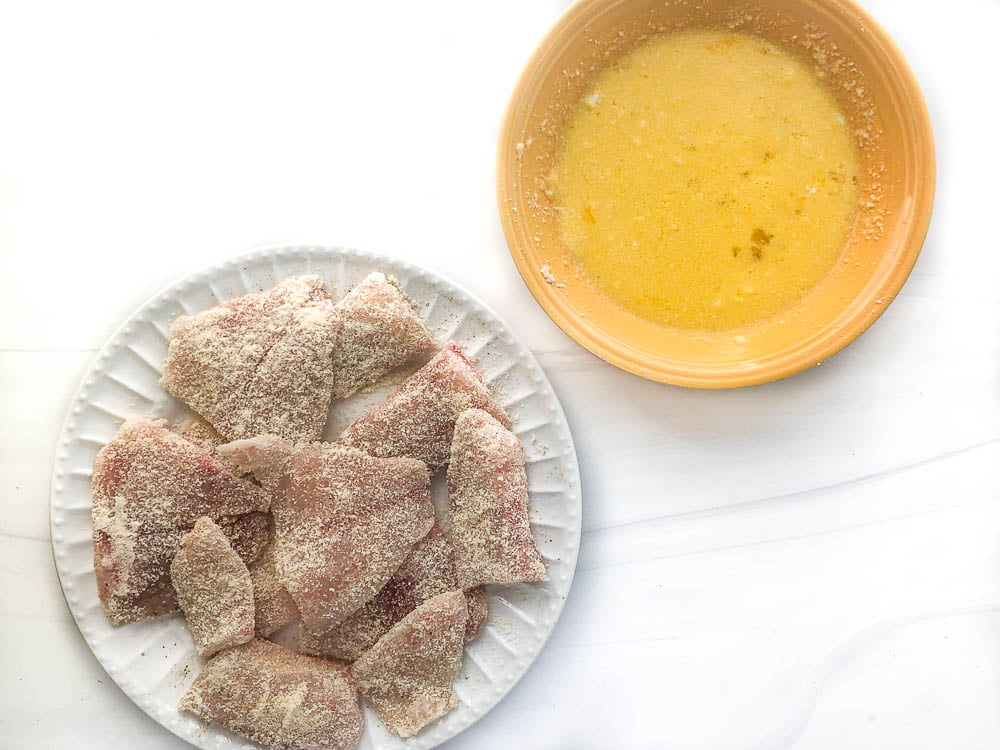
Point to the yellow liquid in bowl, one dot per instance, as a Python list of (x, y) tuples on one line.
[(707, 180)]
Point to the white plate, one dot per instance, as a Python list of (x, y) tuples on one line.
[(154, 661)]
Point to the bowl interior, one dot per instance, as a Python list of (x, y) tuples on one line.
[(884, 108)]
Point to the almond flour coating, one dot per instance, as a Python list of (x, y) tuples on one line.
[(408, 674), (274, 606), (213, 589), (248, 534), (258, 364), (488, 500), (281, 699), (427, 572), (202, 434), (379, 330), (479, 611), (149, 487), (344, 521), (418, 419)]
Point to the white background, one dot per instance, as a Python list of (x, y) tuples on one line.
[(811, 564)]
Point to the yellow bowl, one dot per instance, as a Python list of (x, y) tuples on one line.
[(878, 94)]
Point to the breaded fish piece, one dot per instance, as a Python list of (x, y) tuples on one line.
[(427, 572), (379, 330), (258, 364), (488, 502), (418, 419), (408, 674), (148, 489), (344, 521), (279, 698), (274, 606), (213, 589), (479, 611)]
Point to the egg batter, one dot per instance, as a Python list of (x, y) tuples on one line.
[(706, 180)]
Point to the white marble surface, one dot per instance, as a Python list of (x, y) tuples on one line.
[(810, 564)]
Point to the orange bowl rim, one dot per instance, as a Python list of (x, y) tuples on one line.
[(833, 339)]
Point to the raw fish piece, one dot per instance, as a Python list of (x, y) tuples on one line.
[(149, 487), (427, 572), (418, 419), (275, 606), (344, 521), (279, 698), (408, 674), (259, 363), (379, 331), (479, 610), (488, 500), (213, 589)]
